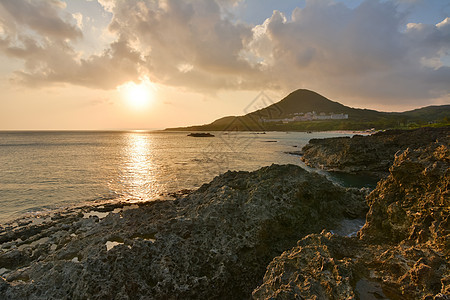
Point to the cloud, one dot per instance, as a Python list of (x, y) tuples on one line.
[(43, 35), (108, 5), (363, 52), (118, 64), (153, 37), (43, 17), (368, 52), (189, 33), (79, 18)]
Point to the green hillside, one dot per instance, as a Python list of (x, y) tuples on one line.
[(301, 102)]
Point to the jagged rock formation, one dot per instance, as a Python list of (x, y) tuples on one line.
[(214, 243), (402, 251), (372, 155), (413, 203), (309, 271)]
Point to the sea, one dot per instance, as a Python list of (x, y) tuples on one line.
[(41, 171)]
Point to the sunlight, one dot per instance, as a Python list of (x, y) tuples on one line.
[(139, 95), (138, 175)]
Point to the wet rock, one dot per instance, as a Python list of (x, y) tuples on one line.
[(371, 155)]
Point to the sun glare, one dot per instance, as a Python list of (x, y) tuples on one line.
[(137, 95)]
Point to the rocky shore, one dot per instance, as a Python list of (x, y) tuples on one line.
[(402, 252), (214, 243), (368, 155), (275, 233)]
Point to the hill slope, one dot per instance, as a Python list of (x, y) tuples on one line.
[(280, 116)]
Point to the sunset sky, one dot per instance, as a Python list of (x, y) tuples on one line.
[(105, 64)]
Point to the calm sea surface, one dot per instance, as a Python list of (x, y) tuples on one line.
[(41, 171)]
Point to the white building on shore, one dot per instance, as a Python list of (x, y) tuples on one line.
[(309, 116)]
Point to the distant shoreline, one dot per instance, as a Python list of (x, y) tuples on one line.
[(305, 110)]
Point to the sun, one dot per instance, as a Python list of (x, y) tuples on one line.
[(139, 95)]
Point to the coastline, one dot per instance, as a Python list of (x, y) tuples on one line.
[(231, 224), (124, 165), (86, 207), (219, 239)]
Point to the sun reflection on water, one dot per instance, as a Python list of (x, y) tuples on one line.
[(138, 174)]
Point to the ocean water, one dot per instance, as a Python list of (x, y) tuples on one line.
[(41, 171)]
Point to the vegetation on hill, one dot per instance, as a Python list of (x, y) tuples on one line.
[(304, 101)]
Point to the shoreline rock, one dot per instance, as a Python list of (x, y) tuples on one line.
[(212, 243), (264, 233), (402, 252), (369, 155), (413, 203)]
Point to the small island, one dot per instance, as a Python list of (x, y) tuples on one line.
[(201, 134)]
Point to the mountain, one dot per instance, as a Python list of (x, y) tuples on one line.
[(304, 101), (304, 110)]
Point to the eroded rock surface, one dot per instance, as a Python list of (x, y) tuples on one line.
[(413, 203), (311, 270), (371, 155), (213, 243), (402, 252)]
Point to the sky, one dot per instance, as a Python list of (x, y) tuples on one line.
[(152, 64)]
